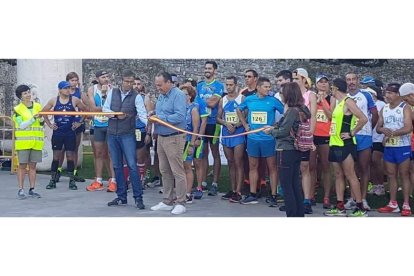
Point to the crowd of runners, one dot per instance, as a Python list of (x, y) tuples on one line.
[(301, 133)]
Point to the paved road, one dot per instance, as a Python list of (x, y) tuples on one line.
[(62, 202)]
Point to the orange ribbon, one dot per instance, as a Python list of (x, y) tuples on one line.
[(158, 120), (78, 113)]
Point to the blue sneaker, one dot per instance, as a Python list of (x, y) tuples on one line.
[(308, 208), (213, 190), (198, 194), (249, 200)]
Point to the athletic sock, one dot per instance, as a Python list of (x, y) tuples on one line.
[(360, 206), (340, 205)]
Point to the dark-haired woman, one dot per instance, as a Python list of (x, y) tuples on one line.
[(288, 158)]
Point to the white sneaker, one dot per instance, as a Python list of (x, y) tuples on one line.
[(162, 207), (178, 210), (365, 204), (156, 183), (350, 204), (380, 190)]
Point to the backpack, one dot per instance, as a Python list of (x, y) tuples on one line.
[(303, 138)]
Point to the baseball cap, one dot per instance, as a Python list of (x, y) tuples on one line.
[(100, 73), (192, 81), (302, 72), (321, 76), (367, 80), (63, 85), (407, 89), (174, 78)]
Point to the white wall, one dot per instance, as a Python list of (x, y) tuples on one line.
[(44, 75)]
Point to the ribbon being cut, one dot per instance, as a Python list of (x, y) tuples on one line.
[(153, 119), (157, 120)]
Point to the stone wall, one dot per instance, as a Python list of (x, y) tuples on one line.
[(393, 70), (8, 79)]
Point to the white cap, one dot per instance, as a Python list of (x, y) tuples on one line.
[(406, 89), (302, 72)]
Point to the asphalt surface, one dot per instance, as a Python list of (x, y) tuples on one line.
[(62, 202)]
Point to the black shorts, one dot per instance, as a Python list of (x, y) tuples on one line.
[(80, 129), (213, 129), (69, 142), (377, 146), (304, 155), (339, 154), (320, 140), (141, 143), (101, 134), (412, 155)]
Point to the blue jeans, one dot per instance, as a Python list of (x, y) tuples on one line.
[(124, 146)]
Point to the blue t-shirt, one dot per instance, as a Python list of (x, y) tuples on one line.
[(189, 118), (205, 91), (261, 112)]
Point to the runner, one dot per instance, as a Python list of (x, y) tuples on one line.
[(407, 94), (64, 134), (396, 124), (79, 124), (377, 166), (193, 149), (347, 120), (210, 91), (261, 112), (144, 137), (325, 104), (301, 76), (234, 148), (364, 137), (97, 95)]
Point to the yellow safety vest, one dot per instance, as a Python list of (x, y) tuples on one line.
[(32, 136)]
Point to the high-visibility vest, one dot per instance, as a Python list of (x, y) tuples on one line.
[(32, 136)]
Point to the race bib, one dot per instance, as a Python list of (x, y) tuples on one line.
[(321, 117), (332, 130), (231, 117), (393, 142), (208, 110), (138, 135), (259, 118), (101, 118)]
